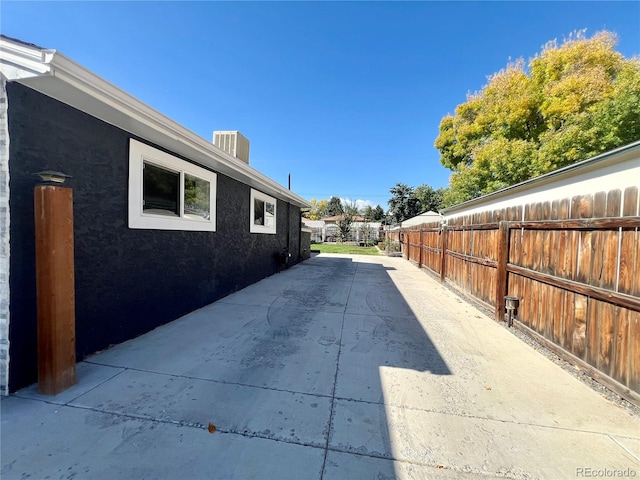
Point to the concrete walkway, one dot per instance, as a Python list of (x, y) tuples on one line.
[(343, 367)]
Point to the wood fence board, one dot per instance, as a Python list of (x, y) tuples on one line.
[(555, 213), (552, 245), (473, 284), (527, 212), (629, 258), (597, 258), (569, 320), (514, 281), (634, 351), (630, 202), (558, 315), (570, 254), (492, 284), (599, 205), (583, 272), (609, 274), (544, 213), (534, 296), (565, 209), (514, 246), (547, 310), (581, 307), (511, 214), (582, 206), (605, 332), (597, 239), (538, 247), (567, 254), (592, 339), (620, 368), (529, 246), (549, 251), (613, 203), (562, 256), (524, 295)]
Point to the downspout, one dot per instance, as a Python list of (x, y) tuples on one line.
[(288, 229), (289, 219)]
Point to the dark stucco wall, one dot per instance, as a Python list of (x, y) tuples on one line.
[(127, 281)]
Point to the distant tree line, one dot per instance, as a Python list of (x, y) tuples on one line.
[(334, 206)]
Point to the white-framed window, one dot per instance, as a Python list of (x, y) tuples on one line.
[(263, 213), (167, 193)]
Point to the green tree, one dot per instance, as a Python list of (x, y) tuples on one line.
[(334, 207), (574, 101), (378, 214), (367, 213), (403, 204), (346, 221), (366, 232), (351, 209), (428, 198)]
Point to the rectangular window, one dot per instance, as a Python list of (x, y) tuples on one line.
[(160, 190), (167, 193), (263, 213), (197, 197)]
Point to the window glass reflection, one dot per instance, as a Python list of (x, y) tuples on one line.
[(196, 197), (160, 192)]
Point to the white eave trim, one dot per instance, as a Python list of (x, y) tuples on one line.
[(55, 75), (611, 157), (20, 60)]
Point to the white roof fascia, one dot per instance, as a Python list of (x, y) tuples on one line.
[(22, 60), (599, 162), (59, 77)]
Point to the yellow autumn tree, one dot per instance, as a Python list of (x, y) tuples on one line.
[(571, 102)]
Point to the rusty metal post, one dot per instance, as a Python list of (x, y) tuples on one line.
[(55, 288)]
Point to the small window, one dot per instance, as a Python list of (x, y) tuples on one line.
[(263, 213), (160, 190), (167, 193)]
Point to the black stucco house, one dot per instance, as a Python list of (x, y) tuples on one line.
[(164, 221)]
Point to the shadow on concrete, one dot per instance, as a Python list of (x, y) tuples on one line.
[(300, 374)]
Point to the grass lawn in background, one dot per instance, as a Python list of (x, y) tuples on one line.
[(341, 248)]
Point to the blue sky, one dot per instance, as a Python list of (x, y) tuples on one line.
[(344, 96)]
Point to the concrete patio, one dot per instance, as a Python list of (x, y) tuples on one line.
[(343, 367)]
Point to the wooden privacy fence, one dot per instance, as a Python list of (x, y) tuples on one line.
[(572, 263)]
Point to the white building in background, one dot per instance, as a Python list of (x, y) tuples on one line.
[(327, 231), (425, 217)]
